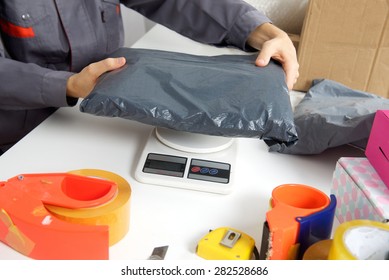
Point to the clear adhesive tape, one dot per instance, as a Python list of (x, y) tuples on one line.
[(114, 213), (360, 240)]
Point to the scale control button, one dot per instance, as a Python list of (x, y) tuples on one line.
[(204, 170), (213, 171), (195, 169)]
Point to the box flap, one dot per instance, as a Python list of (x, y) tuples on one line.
[(346, 41)]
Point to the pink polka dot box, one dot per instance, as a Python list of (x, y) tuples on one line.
[(359, 190)]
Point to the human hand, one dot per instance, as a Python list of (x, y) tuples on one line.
[(81, 84), (275, 43)]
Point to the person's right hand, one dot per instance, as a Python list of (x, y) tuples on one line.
[(275, 43), (81, 84)]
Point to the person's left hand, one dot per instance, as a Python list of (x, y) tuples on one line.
[(275, 43), (81, 84)]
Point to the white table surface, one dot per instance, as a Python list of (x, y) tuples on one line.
[(161, 216)]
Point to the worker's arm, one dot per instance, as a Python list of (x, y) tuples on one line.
[(29, 86), (26, 86), (224, 23)]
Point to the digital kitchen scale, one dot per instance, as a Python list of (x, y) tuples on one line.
[(188, 160)]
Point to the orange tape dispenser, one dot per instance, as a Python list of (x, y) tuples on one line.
[(289, 203), (75, 215)]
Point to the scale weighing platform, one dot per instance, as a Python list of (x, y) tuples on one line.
[(188, 160)]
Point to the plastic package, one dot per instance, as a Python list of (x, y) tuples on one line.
[(224, 95), (331, 115)]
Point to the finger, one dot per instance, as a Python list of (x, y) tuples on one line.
[(291, 72), (108, 64), (290, 68), (290, 76), (264, 56)]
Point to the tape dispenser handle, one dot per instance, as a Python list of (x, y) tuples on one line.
[(67, 190)]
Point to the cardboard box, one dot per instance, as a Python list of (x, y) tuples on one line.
[(346, 41), (377, 149), (360, 192)]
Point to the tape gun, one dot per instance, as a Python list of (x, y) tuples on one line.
[(300, 215), (75, 215), (226, 244)]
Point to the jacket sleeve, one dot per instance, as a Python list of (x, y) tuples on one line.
[(226, 22), (29, 86)]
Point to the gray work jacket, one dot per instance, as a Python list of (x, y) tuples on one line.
[(44, 42)]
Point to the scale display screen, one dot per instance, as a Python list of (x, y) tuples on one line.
[(165, 165)]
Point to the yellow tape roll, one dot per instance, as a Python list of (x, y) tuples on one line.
[(114, 213), (360, 240)]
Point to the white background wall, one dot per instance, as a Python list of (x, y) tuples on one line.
[(286, 14), (135, 26)]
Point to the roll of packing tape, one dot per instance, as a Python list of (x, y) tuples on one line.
[(75, 215), (360, 240), (114, 213)]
